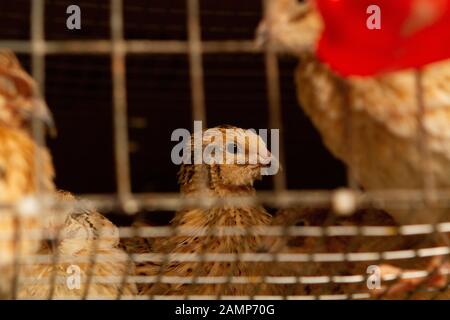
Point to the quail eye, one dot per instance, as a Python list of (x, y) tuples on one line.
[(232, 148)]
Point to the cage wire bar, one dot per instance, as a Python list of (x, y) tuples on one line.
[(118, 47), (120, 103), (196, 61), (274, 99)]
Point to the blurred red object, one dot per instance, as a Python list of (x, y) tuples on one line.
[(413, 33)]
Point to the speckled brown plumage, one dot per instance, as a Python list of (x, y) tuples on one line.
[(371, 123), (83, 233), (221, 181), (16, 181), (20, 177), (19, 100), (338, 244), (383, 152)]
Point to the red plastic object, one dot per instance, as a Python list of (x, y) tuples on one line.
[(349, 47)]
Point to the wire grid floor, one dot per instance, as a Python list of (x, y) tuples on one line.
[(118, 47)]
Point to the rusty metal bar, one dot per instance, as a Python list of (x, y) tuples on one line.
[(118, 66), (275, 112), (99, 47), (382, 199), (249, 257), (290, 231), (196, 61), (38, 73), (327, 279), (123, 179)]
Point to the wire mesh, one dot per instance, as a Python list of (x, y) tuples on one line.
[(131, 203)]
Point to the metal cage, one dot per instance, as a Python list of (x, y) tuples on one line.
[(131, 203)]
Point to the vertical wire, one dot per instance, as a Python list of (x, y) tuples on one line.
[(118, 65), (275, 113), (120, 102), (38, 73), (344, 87), (274, 101), (196, 76), (37, 32), (196, 61), (198, 95), (37, 35), (424, 149), (17, 247), (275, 120)]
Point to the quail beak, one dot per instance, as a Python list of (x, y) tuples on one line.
[(42, 114)]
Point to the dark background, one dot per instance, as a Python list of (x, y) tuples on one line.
[(78, 91)]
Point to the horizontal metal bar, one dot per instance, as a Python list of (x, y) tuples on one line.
[(386, 199), (203, 280), (245, 257), (130, 46), (210, 279), (267, 231)]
